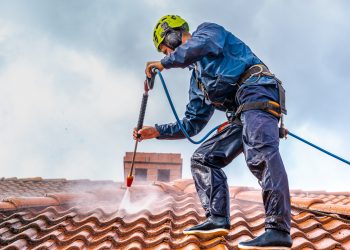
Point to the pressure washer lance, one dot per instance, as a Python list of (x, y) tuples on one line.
[(148, 85)]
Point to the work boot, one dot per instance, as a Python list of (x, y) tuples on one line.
[(214, 226), (271, 239)]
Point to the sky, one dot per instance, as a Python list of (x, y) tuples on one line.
[(72, 72)]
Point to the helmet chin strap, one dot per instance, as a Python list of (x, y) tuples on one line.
[(173, 39)]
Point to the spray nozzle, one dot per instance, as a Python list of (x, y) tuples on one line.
[(129, 180)]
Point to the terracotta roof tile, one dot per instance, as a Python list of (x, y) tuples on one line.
[(332, 208), (342, 198), (21, 202), (6, 205), (236, 190), (253, 196), (167, 187), (304, 202), (183, 184), (62, 198), (62, 214)]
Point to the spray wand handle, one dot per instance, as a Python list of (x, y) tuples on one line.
[(148, 85), (142, 112)]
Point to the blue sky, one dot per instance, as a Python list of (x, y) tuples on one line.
[(71, 75)]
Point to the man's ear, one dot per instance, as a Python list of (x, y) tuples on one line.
[(185, 36)]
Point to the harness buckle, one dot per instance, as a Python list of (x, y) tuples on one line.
[(239, 110), (229, 114), (255, 70), (259, 66), (274, 108)]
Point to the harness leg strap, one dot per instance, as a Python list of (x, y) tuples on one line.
[(268, 106)]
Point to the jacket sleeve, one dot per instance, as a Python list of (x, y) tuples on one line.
[(208, 39), (197, 115)]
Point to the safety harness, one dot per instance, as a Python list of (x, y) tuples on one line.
[(277, 109), (274, 108)]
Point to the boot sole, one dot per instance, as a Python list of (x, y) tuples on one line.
[(208, 233), (263, 248)]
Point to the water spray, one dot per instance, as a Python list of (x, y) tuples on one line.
[(148, 85)]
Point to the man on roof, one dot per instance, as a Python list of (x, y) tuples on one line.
[(227, 76)]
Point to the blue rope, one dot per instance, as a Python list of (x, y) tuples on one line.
[(214, 129), (177, 117), (319, 148)]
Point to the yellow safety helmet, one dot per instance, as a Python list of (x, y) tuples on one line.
[(164, 24)]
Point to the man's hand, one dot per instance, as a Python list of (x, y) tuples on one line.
[(147, 132), (151, 65)]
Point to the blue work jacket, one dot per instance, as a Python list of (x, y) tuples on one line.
[(217, 59)]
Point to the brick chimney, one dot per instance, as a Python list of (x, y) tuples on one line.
[(154, 166)]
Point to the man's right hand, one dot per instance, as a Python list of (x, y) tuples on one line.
[(147, 132), (151, 65)]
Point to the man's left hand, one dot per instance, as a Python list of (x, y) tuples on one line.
[(146, 132), (151, 65)]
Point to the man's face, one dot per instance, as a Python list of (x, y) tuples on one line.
[(165, 49)]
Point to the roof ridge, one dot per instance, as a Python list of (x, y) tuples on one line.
[(304, 202), (38, 178), (183, 184), (332, 208), (49, 199), (313, 204), (22, 202), (167, 187)]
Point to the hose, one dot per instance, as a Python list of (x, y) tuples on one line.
[(319, 148), (177, 117)]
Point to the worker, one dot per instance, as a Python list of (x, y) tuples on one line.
[(227, 76)]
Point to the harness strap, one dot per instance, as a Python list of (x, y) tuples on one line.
[(282, 96), (276, 109), (272, 107), (255, 70)]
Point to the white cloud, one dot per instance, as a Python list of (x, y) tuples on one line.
[(63, 100), (4, 31)]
